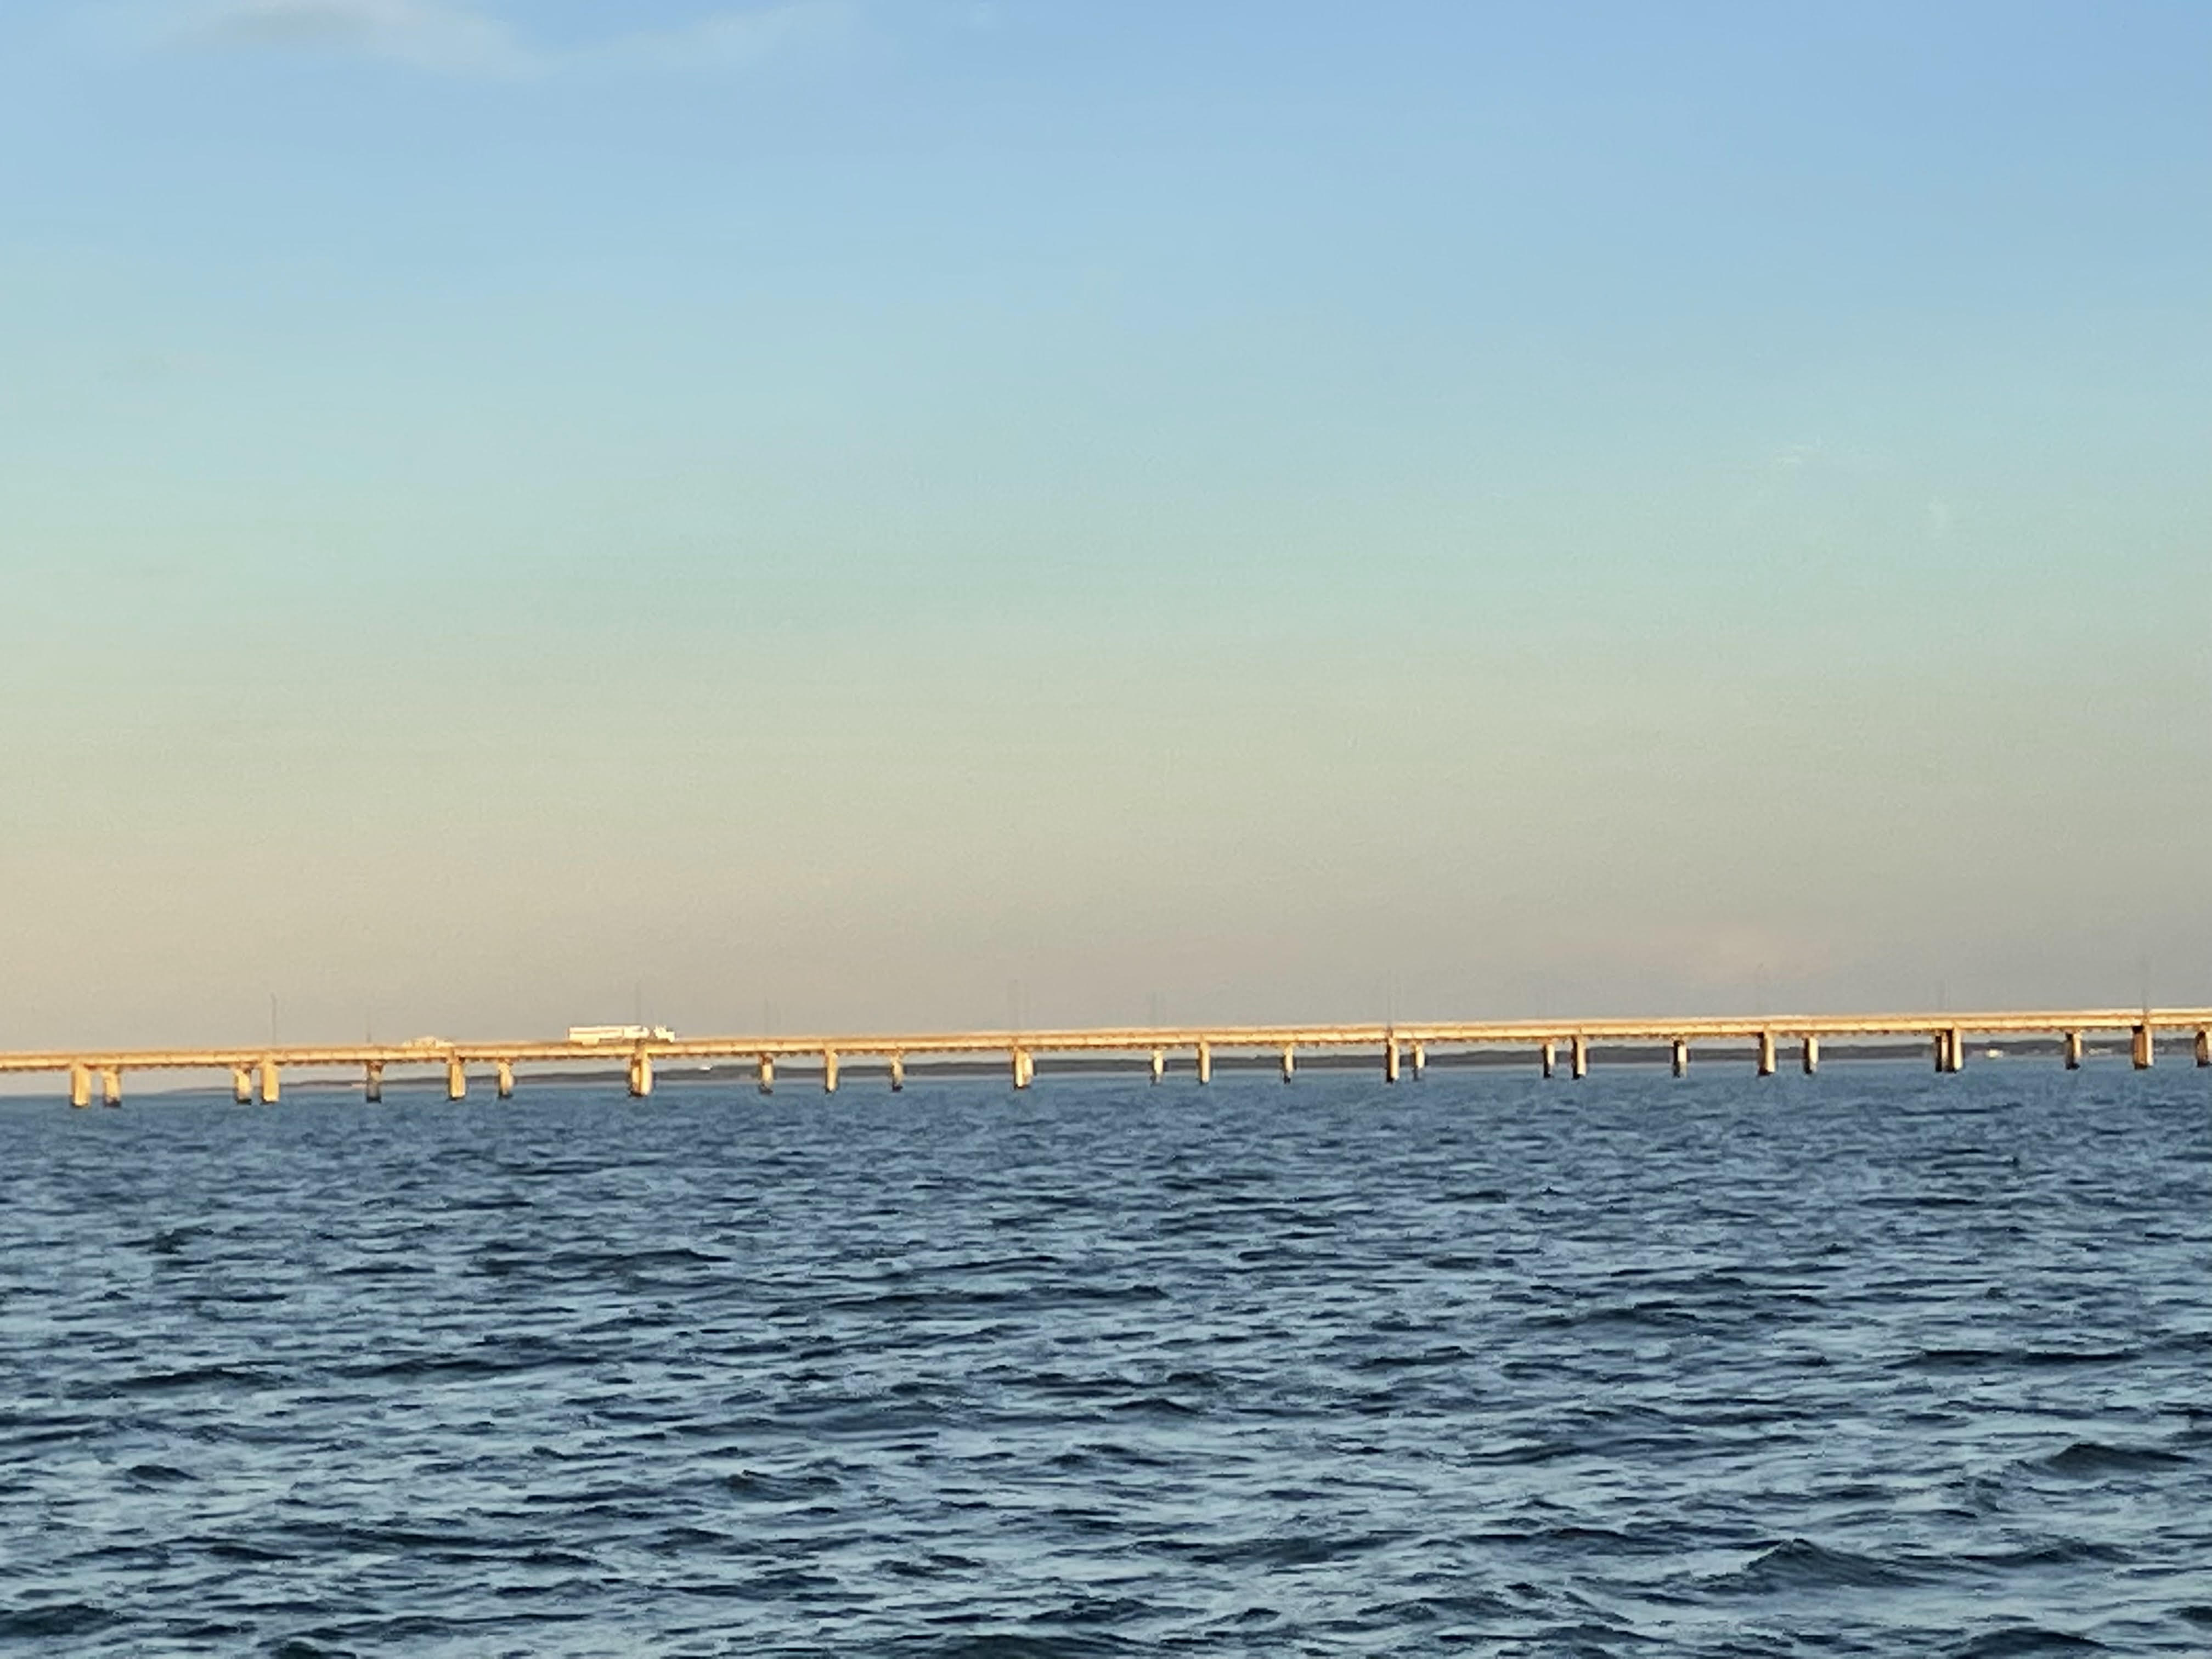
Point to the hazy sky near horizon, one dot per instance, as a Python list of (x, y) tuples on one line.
[(859, 513)]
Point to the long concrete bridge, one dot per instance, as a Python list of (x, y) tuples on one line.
[(257, 1072)]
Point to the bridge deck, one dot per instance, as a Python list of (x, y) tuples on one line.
[(1139, 1040)]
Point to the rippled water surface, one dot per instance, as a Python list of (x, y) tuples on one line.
[(1877, 1362)]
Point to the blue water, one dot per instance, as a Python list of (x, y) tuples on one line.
[(1874, 1363)]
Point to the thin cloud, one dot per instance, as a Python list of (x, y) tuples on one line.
[(445, 36), (448, 38), (734, 39)]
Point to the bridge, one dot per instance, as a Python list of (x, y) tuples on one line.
[(257, 1072)]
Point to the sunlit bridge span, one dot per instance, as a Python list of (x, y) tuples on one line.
[(1399, 1049)]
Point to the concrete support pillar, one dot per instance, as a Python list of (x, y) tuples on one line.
[(1681, 1057), (828, 1071), (1290, 1062), (1767, 1053), (1159, 1063), (1547, 1053), (767, 1074), (898, 1073), (2203, 1047), (1205, 1061), (1950, 1049), (1390, 1059), (241, 1084), (2073, 1051), (111, 1086), (80, 1085), (641, 1076), (457, 1078), (372, 1082), (1578, 1056), (272, 1084), (1420, 1060), (1021, 1069), (504, 1076), (2141, 1047), (1811, 1053)]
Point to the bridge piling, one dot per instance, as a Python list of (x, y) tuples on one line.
[(1159, 1065), (1390, 1059), (1205, 1061), (372, 1082), (241, 1084), (2073, 1051), (272, 1083), (110, 1086), (1681, 1057), (1021, 1066), (828, 1071), (80, 1085), (2203, 1046), (1811, 1054), (2141, 1050), (1767, 1053), (1950, 1049), (641, 1076), (503, 1077), (898, 1073), (1579, 1057), (457, 1079), (1547, 1055), (767, 1074), (1420, 1060), (1290, 1062)]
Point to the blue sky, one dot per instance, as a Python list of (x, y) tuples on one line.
[(859, 513)]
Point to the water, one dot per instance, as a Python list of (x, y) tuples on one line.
[(1872, 1363)]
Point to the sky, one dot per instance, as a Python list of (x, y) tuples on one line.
[(863, 515)]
